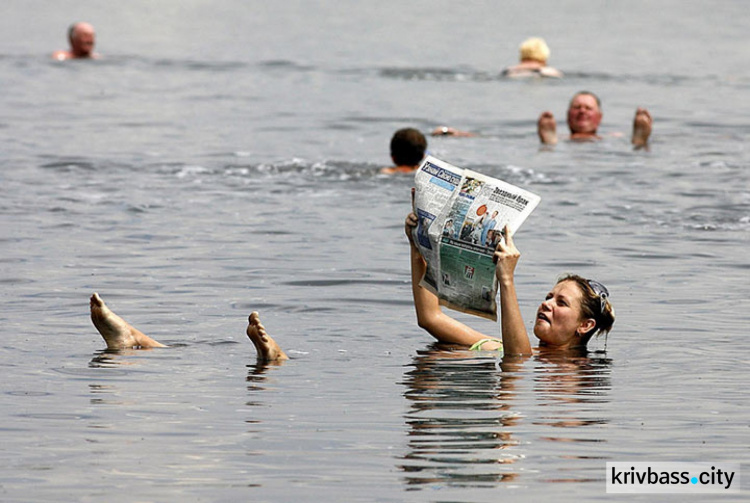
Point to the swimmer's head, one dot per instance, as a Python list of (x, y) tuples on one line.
[(534, 49), (595, 304), (584, 113), (408, 146), (82, 39)]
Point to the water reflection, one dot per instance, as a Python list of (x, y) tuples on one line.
[(107, 392), (256, 373), (472, 416), (112, 358), (257, 381)]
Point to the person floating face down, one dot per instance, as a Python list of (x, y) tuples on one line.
[(408, 147), (584, 117), (82, 39)]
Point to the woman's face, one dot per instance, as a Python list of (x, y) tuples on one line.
[(559, 318)]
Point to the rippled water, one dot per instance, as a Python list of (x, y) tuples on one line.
[(223, 158)]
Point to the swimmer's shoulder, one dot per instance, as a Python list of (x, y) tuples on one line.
[(66, 55), (398, 169), (521, 72), (550, 72), (61, 55)]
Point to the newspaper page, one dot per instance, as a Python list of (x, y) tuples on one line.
[(461, 215)]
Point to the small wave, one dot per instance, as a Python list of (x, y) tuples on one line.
[(339, 282), (513, 174), (221, 343), (66, 166), (189, 170), (438, 74), (28, 393), (285, 65), (200, 65), (302, 171), (60, 416), (703, 218), (466, 74), (84, 165), (331, 170)]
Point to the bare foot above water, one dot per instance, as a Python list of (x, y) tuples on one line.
[(118, 333), (267, 348), (547, 128)]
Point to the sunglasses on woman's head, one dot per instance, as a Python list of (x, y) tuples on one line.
[(601, 292)]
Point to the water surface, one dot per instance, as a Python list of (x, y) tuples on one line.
[(223, 158)]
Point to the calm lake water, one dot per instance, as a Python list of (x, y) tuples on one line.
[(223, 157)]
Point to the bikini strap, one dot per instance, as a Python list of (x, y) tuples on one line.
[(477, 346)]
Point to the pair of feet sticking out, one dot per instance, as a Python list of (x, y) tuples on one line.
[(119, 334), (642, 126)]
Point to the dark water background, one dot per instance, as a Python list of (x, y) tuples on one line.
[(223, 157)]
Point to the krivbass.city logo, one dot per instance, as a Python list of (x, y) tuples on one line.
[(644, 477)]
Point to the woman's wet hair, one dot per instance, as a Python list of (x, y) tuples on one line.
[(595, 304)]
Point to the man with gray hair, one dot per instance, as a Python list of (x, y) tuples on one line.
[(584, 117)]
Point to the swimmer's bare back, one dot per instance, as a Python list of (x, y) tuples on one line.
[(118, 333), (268, 350)]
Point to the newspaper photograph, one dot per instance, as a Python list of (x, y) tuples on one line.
[(462, 215)]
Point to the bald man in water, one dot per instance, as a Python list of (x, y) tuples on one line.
[(82, 39)]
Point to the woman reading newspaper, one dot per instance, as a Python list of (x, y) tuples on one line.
[(572, 312)]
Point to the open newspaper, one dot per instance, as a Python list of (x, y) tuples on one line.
[(462, 214)]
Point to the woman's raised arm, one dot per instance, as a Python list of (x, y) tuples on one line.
[(515, 338), (429, 314)]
